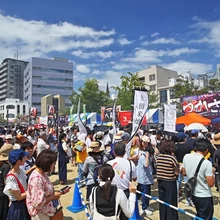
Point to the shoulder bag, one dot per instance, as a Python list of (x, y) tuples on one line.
[(191, 183)]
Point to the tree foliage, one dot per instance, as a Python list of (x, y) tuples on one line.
[(91, 96), (214, 85), (125, 90), (185, 87)]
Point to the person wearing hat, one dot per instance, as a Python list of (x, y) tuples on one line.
[(95, 159), (4, 169), (8, 140), (194, 137), (181, 149), (16, 186), (125, 137)]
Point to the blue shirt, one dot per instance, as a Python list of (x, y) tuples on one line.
[(145, 174)]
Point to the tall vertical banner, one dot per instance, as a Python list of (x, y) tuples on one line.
[(51, 118), (169, 118), (82, 128), (114, 120), (32, 115), (140, 108)]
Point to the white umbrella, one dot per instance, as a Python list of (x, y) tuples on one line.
[(197, 126)]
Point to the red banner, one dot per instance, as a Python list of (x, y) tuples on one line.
[(125, 117)]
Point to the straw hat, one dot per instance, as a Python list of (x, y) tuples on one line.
[(4, 151), (216, 139), (95, 144)]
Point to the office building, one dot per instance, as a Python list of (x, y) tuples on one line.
[(11, 78), (56, 100), (160, 81), (45, 76), (15, 107)]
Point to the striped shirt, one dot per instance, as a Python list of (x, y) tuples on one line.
[(167, 165)]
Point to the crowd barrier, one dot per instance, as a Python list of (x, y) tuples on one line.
[(78, 205)]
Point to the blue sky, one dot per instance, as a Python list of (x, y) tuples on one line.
[(106, 39)]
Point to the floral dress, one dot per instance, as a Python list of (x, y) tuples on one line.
[(39, 187)]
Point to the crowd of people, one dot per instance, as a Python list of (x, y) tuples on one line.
[(111, 167)]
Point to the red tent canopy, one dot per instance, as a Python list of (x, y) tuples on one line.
[(193, 118)]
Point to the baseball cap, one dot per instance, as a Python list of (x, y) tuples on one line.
[(16, 155), (8, 136), (194, 131), (181, 135)]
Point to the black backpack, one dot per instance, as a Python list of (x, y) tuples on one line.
[(191, 183), (99, 161)]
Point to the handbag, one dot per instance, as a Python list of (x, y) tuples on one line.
[(98, 216), (58, 215), (191, 183)]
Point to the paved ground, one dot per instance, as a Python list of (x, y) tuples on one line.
[(66, 200)]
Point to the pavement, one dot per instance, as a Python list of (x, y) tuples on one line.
[(66, 200)]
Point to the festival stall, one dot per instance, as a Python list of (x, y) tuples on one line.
[(89, 118), (192, 118)]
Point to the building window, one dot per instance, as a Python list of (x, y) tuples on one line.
[(153, 87), (142, 79), (10, 107), (172, 94), (18, 109), (24, 109), (152, 77), (163, 96)]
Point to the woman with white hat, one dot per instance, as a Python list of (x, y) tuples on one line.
[(95, 159), (4, 169)]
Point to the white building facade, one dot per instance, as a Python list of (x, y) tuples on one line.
[(14, 107), (44, 76), (160, 81)]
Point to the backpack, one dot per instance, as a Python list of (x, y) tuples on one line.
[(99, 161), (191, 183)]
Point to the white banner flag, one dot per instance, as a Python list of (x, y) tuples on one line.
[(140, 108), (114, 120), (82, 128), (169, 118)]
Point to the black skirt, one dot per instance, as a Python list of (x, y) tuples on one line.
[(18, 211)]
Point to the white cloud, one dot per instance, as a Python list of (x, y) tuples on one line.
[(161, 41), (82, 68), (96, 72), (102, 54), (110, 76), (124, 41), (142, 55), (155, 34), (38, 37), (209, 33), (183, 66), (142, 37)]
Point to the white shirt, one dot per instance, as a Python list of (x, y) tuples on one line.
[(41, 145), (122, 170), (88, 143)]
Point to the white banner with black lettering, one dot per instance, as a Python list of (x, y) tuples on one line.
[(114, 120), (170, 117), (82, 128), (140, 108)]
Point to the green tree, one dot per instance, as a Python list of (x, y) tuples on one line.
[(214, 85), (91, 96), (185, 87), (2, 120), (125, 90)]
